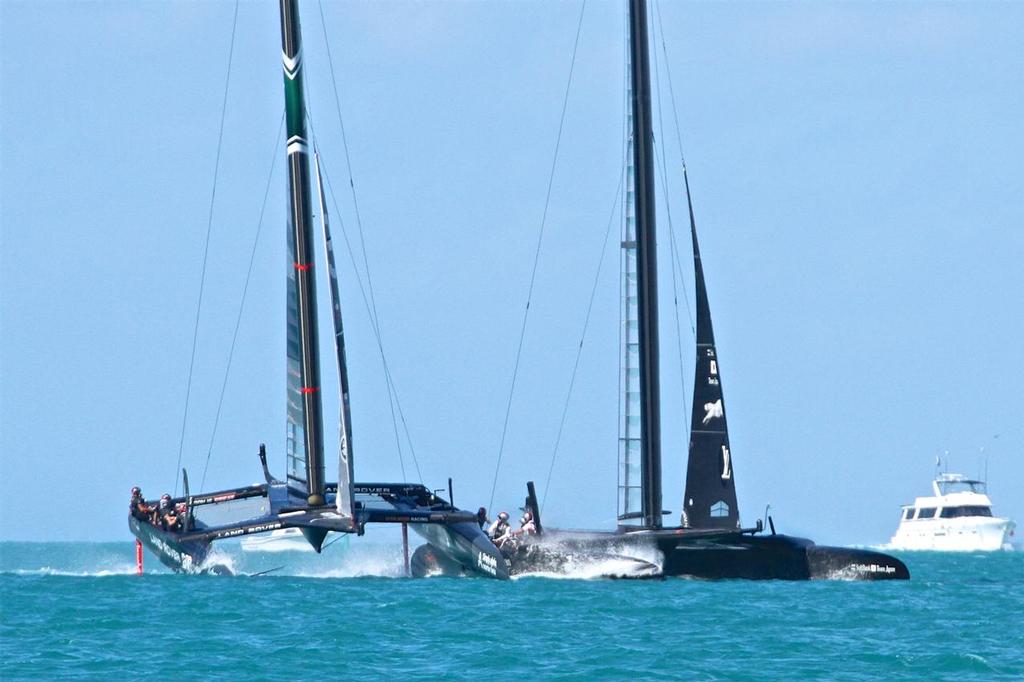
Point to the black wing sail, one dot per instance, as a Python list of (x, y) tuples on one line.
[(710, 500)]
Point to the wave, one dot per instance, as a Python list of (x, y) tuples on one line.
[(50, 571)]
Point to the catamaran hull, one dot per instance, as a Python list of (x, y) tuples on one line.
[(456, 549), (773, 557), (702, 555), (181, 557)]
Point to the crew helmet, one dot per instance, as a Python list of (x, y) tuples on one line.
[(136, 491), (503, 516)]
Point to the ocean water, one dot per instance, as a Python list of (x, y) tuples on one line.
[(77, 611)]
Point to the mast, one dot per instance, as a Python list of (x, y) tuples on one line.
[(305, 418), (343, 499), (647, 268)]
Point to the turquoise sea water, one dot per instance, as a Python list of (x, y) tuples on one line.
[(76, 611)]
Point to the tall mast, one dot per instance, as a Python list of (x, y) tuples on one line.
[(305, 418), (647, 267)]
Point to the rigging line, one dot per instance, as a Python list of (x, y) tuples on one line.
[(682, 157), (676, 264), (362, 291), (206, 249), (536, 256), (676, 273), (583, 335), (366, 303), (664, 171), (245, 291), (374, 318), (366, 306), (671, 90)]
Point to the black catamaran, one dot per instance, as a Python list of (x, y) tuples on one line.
[(304, 500), (709, 542)]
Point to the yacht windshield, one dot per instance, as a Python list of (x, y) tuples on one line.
[(956, 512), (947, 487)]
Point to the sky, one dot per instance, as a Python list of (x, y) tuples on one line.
[(856, 177)]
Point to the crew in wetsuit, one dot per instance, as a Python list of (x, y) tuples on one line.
[(500, 530), (481, 517), (527, 526), (181, 514), (138, 507), (166, 518)]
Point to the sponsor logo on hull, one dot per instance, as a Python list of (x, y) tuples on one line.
[(487, 563)]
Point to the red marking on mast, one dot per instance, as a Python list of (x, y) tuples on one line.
[(302, 268), (308, 389)]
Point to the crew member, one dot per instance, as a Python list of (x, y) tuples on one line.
[(500, 530), (138, 506), (181, 512), (527, 526), (481, 517), (165, 515)]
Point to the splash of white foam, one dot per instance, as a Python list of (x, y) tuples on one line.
[(615, 560), (218, 561), (596, 569)]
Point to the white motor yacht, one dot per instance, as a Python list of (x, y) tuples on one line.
[(280, 540), (957, 518)]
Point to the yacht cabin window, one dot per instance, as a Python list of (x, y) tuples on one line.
[(955, 512), (908, 513), (926, 513)]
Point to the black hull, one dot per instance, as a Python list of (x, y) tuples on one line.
[(736, 555), (179, 556), (713, 555), (456, 549)]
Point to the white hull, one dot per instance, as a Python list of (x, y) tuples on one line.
[(954, 535), (282, 540)]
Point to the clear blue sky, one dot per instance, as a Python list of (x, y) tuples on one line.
[(857, 180)]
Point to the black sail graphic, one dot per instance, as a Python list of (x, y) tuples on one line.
[(710, 500)]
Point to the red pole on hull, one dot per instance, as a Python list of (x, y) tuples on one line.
[(138, 557), (405, 546)]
